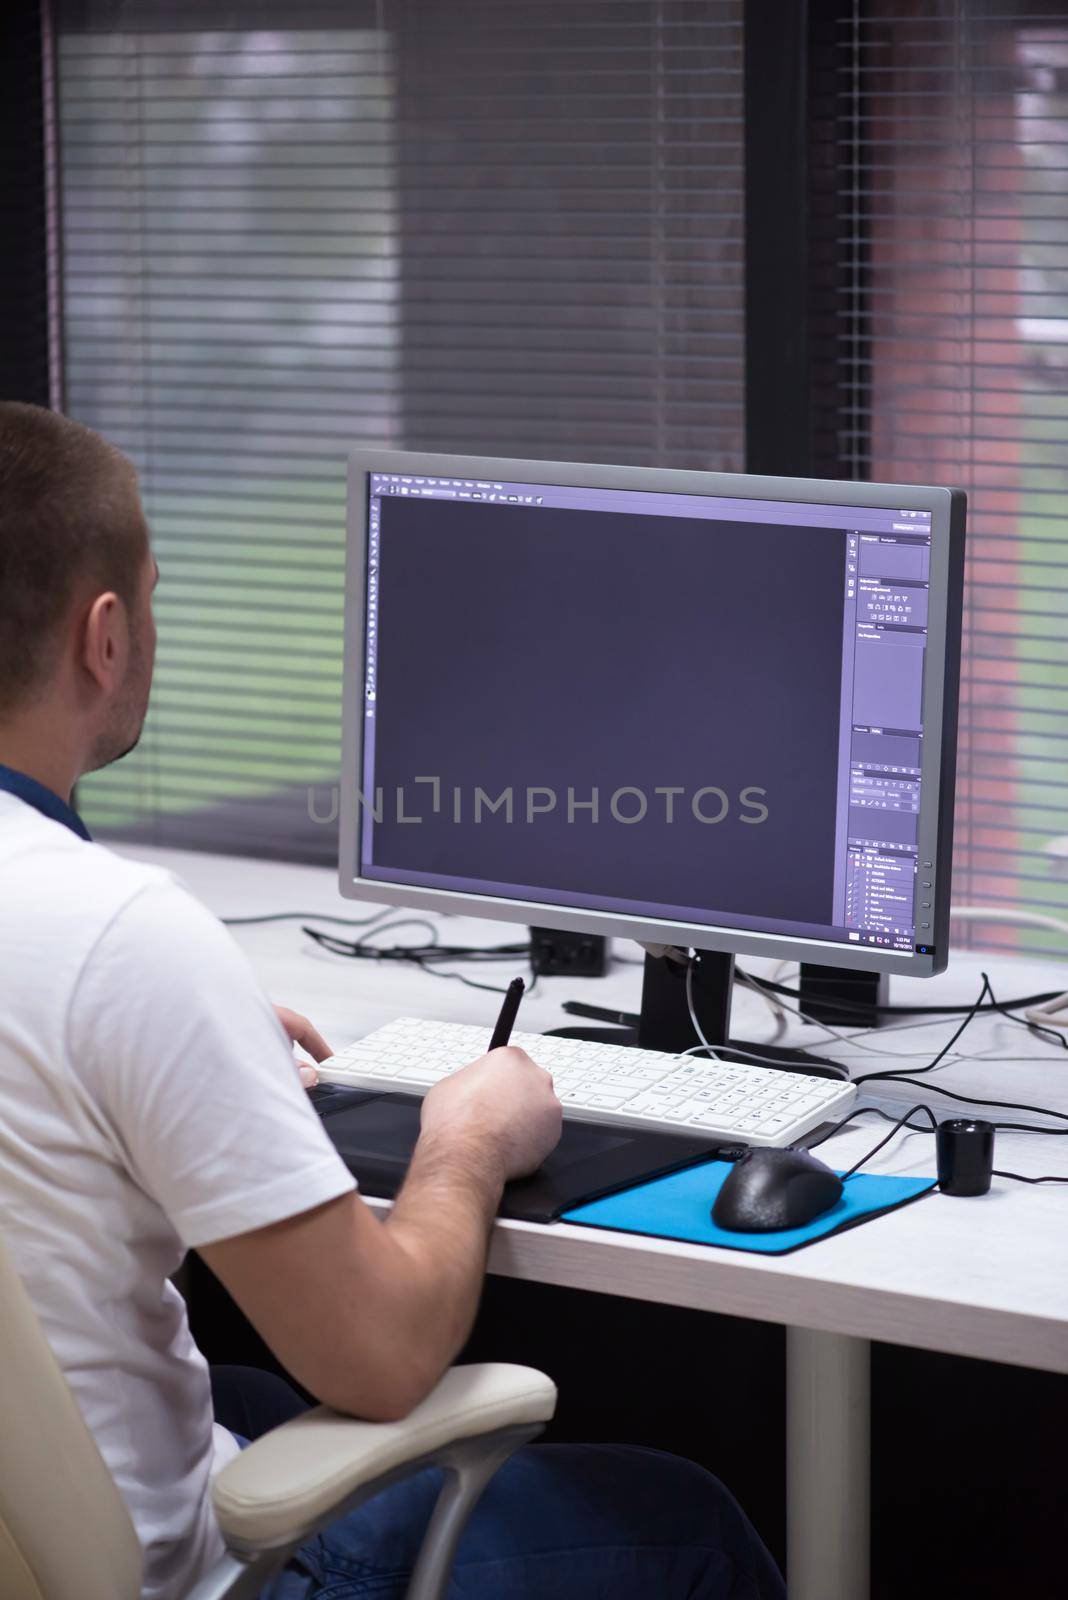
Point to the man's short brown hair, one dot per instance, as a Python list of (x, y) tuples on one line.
[(69, 518)]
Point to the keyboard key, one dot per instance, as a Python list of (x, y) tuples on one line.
[(707, 1119), (627, 1085), (774, 1124)]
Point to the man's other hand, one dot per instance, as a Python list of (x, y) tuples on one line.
[(504, 1104), (302, 1033)]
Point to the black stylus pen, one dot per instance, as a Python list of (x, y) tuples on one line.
[(579, 1008), (502, 1032)]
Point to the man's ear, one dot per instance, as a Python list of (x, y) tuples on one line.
[(105, 641)]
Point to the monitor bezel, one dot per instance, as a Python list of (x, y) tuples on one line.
[(940, 700)]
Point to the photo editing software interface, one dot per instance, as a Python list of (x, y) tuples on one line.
[(684, 707)]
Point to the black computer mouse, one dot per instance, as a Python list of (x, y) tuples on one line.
[(767, 1190)]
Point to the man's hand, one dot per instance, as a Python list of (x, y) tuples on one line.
[(503, 1106), (301, 1031)]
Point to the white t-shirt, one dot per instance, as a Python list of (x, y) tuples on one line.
[(149, 1103)]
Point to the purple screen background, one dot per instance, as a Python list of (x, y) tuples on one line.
[(571, 660)]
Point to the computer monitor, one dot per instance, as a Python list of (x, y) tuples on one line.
[(693, 709)]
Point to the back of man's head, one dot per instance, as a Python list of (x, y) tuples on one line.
[(71, 526)]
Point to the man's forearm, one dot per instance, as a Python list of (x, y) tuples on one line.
[(368, 1315), (441, 1222)]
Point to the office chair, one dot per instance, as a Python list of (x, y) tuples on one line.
[(65, 1533)]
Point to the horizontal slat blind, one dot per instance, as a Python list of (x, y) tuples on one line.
[(941, 219), (571, 181), (508, 226)]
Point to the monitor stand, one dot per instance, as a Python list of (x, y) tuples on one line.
[(664, 1022)]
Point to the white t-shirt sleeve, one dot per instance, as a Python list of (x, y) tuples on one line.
[(181, 1059)]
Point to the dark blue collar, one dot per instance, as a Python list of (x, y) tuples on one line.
[(41, 799)]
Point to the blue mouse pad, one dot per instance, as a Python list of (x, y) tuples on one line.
[(680, 1207)]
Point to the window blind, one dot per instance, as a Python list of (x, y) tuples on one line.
[(496, 226), (940, 227)]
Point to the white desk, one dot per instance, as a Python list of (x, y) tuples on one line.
[(984, 1277)]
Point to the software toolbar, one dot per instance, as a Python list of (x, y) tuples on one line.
[(887, 588)]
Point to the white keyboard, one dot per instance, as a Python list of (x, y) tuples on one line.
[(607, 1083)]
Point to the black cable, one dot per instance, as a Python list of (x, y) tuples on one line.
[(425, 956), (909, 1073), (860, 1008), (1020, 1178), (863, 1111), (1002, 1105), (490, 988), (361, 949), (901, 1122), (1038, 1029), (296, 916), (434, 950), (906, 1075), (414, 955), (877, 1111), (995, 1006)]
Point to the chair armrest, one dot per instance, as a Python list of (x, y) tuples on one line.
[(284, 1486)]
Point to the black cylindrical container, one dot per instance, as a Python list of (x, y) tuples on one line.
[(965, 1156)]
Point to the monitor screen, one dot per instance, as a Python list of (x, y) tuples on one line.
[(685, 708)]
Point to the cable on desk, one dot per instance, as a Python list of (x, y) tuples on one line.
[(854, 1040), (360, 948), (304, 916), (877, 1111), (1039, 1029), (850, 1007), (907, 1076), (908, 1073), (472, 983), (1020, 1178), (426, 956), (861, 1111), (900, 1123), (999, 1105)]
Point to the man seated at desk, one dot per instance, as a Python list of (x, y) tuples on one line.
[(151, 1106)]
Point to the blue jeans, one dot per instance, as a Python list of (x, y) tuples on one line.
[(575, 1522)]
